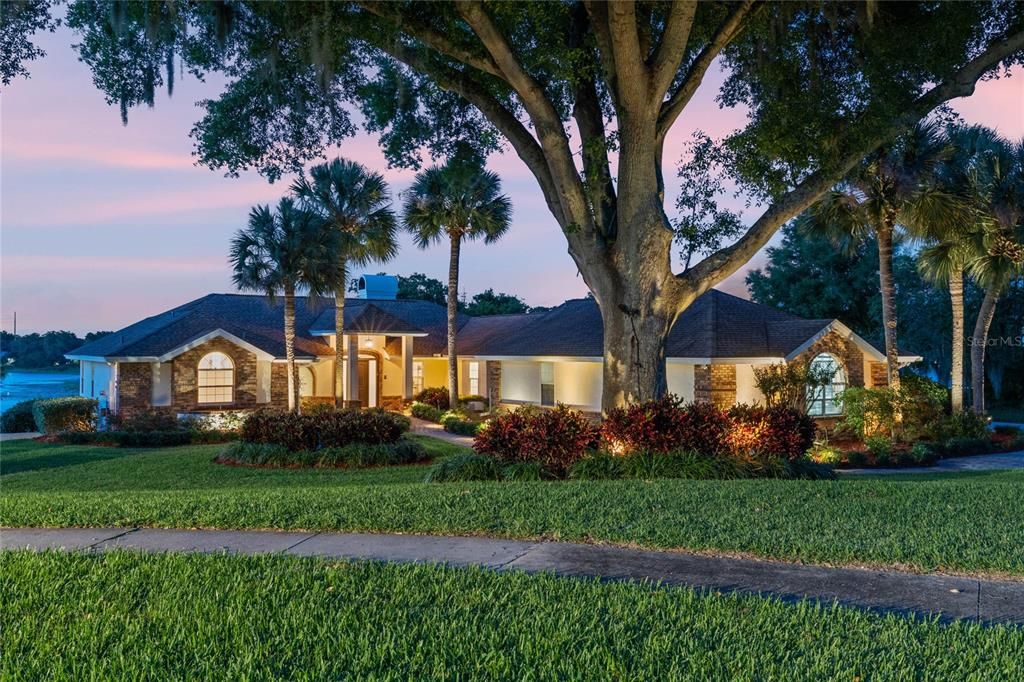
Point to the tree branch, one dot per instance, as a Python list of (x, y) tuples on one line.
[(724, 262), (630, 65), (505, 121), (667, 56), (590, 122), (598, 13), (545, 118), (430, 37), (725, 34)]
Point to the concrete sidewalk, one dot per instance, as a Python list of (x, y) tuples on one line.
[(422, 427), (951, 598)]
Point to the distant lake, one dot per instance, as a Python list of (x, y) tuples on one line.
[(19, 385)]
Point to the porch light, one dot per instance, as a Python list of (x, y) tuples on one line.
[(368, 343)]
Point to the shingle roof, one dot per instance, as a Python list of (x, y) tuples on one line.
[(716, 325)]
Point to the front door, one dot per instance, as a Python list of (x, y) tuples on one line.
[(364, 383)]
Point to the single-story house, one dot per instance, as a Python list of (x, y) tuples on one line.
[(226, 352)]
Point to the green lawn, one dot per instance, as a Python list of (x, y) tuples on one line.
[(966, 523), (135, 616)]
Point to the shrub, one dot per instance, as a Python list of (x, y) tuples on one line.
[(425, 411), (453, 422), (872, 411), (664, 425), (146, 439), (18, 418), (922, 455), (787, 385), (804, 468), (150, 420), (773, 431), (54, 415), (523, 471), (436, 397), (856, 458), (962, 425), (597, 466), (554, 438), (468, 467), (825, 454), (403, 451), (965, 446), (648, 465), (880, 448), (324, 429)]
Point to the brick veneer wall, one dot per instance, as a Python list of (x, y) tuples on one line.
[(848, 353), (879, 374), (185, 378), (134, 387), (493, 370), (715, 384)]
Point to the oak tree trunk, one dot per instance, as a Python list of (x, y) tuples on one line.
[(888, 289), (453, 309), (289, 349), (956, 299), (978, 344)]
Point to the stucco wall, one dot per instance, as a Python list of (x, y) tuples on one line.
[(747, 391), (680, 380), (577, 384), (520, 381)]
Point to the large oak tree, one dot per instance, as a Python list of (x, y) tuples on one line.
[(584, 92)]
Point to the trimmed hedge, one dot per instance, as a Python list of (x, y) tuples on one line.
[(324, 429), (54, 415), (18, 418), (402, 451)]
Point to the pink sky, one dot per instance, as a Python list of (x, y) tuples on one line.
[(103, 225)]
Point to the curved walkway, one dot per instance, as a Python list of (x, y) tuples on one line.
[(1000, 462), (422, 427), (949, 597)]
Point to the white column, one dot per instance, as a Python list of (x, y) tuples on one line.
[(351, 367), (407, 367)]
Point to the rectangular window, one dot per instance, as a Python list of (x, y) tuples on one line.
[(474, 378), (216, 385), (417, 378), (547, 383)]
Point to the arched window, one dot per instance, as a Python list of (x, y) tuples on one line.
[(216, 379), (821, 400), (305, 382)]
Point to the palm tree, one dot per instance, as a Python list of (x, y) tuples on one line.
[(890, 192), (997, 169), (460, 200), (355, 203), (282, 252)]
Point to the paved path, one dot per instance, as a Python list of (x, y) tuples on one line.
[(953, 598), (421, 427), (18, 436), (1007, 460)]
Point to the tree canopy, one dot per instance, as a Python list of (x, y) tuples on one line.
[(585, 93)]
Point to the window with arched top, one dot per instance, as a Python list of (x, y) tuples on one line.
[(216, 379), (822, 400)]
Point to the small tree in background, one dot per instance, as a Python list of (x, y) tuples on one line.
[(788, 384), (283, 252)]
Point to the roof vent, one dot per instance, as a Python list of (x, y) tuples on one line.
[(377, 286)]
